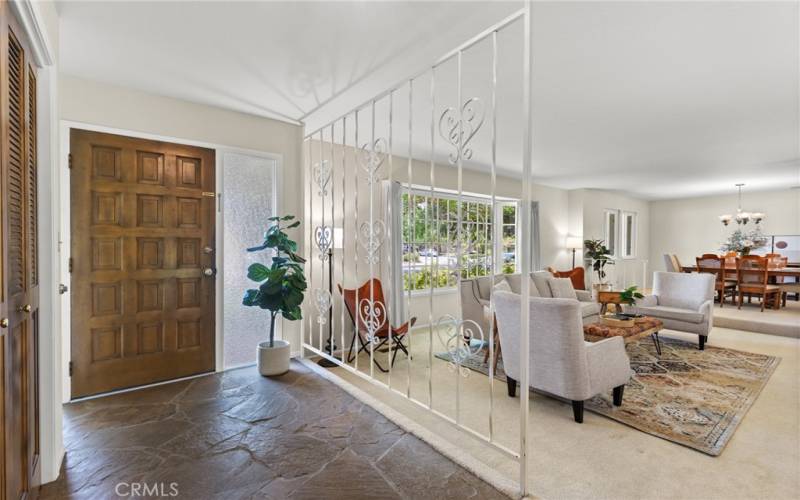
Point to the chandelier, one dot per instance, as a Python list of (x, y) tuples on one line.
[(741, 216)]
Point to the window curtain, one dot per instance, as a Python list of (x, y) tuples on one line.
[(536, 260), (392, 258)]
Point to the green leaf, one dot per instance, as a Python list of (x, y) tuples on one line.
[(293, 225), (287, 217), (274, 218), (250, 298), (257, 272), (258, 248)]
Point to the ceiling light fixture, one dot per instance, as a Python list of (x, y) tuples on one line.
[(741, 216)]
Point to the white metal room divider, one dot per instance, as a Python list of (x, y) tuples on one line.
[(380, 178)]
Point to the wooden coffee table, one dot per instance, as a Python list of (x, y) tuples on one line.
[(595, 332)]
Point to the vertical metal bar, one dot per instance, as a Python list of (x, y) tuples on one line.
[(344, 219), (322, 224), (389, 204), (459, 224), (329, 314), (494, 221), (310, 245), (428, 213), (527, 157), (372, 245), (411, 226), (356, 320), (311, 232)]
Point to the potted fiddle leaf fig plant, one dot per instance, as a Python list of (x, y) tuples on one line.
[(600, 256), (281, 286)]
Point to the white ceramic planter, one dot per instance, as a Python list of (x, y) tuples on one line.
[(273, 360)]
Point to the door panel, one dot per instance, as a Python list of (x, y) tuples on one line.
[(142, 217), (19, 302)]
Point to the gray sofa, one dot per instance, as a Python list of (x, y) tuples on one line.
[(475, 294), (561, 362), (683, 301)]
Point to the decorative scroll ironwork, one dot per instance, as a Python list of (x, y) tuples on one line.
[(371, 159), (463, 339), (323, 237), (322, 175), (373, 315), (459, 127), (323, 301), (371, 237)]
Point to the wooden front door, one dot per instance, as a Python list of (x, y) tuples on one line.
[(142, 258), (19, 291)]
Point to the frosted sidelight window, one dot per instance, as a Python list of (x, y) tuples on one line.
[(248, 199)]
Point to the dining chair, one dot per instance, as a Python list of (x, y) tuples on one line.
[(672, 263), (753, 274), (730, 265), (713, 264), (372, 304)]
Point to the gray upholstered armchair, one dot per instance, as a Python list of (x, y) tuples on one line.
[(683, 301), (561, 362)]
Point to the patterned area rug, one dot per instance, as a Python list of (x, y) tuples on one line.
[(687, 396)]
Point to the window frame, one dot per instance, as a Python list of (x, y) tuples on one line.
[(624, 235), (439, 194), (608, 233)]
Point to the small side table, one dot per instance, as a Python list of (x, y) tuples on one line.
[(608, 297)]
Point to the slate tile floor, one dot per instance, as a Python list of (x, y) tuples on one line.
[(239, 435)]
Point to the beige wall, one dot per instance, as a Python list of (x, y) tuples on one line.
[(587, 219), (117, 107), (689, 227)]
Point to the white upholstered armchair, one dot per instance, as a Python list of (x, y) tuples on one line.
[(561, 362), (683, 301)]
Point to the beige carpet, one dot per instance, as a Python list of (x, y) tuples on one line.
[(687, 396)]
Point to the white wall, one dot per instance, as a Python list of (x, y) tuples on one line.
[(689, 227), (116, 107), (587, 220)]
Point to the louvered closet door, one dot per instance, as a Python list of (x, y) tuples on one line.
[(142, 236), (19, 304)]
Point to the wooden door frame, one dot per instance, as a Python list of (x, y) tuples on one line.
[(65, 126)]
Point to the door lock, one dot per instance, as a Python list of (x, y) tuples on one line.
[(26, 308), (207, 249), (209, 272), (4, 323), (62, 288)]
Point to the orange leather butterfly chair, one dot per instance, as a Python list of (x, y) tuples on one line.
[(575, 275), (372, 291)]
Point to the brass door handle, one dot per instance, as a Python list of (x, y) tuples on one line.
[(209, 272), (4, 323), (26, 308)]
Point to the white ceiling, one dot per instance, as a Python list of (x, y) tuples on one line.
[(656, 99)]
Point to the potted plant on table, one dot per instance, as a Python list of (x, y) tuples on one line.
[(629, 296), (280, 291), (601, 256)]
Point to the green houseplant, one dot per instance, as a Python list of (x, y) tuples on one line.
[(601, 256), (280, 291)]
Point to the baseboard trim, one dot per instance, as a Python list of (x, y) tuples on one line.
[(474, 466)]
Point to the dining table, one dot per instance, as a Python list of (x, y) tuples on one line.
[(777, 271)]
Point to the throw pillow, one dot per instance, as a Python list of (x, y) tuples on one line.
[(502, 286), (562, 288), (540, 279)]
